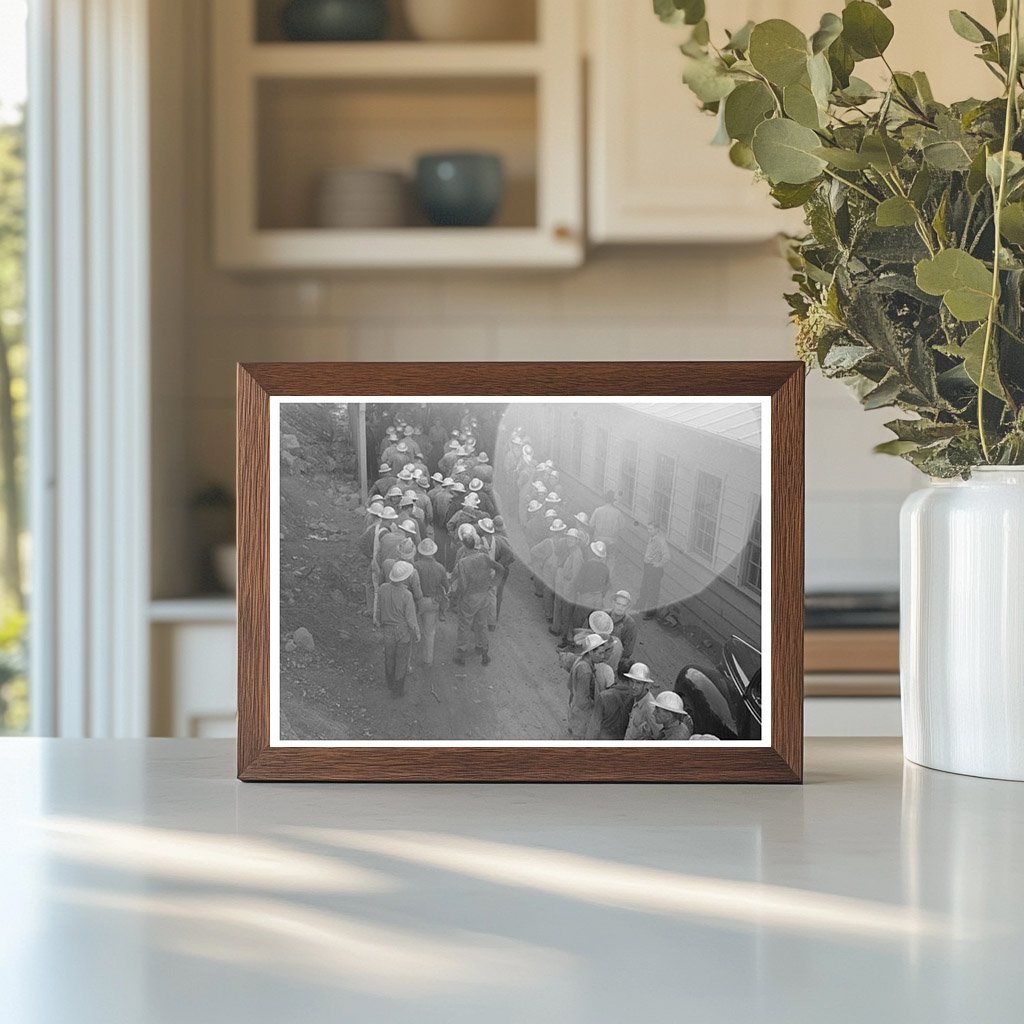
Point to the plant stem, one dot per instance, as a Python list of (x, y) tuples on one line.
[(993, 309), (856, 188)]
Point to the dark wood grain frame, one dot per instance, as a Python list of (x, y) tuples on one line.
[(783, 382)]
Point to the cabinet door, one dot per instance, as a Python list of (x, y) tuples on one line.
[(654, 175)]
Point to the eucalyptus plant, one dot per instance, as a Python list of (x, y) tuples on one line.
[(909, 280)]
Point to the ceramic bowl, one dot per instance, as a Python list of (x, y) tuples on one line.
[(334, 20), (460, 189)]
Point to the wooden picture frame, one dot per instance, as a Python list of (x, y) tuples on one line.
[(780, 757)]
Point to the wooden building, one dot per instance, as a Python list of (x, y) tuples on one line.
[(695, 469)]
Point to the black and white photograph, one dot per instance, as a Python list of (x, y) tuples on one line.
[(519, 571)]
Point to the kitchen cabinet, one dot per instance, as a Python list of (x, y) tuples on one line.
[(286, 113), (653, 175)]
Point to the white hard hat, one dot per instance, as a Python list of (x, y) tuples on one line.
[(640, 672), (601, 622), (557, 526), (669, 700), (592, 642), (400, 571)]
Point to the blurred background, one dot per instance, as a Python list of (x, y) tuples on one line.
[(249, 180)]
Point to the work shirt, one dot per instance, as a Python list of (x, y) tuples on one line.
[(474, 573), (383, 485), (581, 697), (433, 577), (611, 712), (593, 577), (626, 630), (413, 582), (463, 515), (656, 554), (642, 723), (682, 730), (397, 611), (606, 523), (387, 546)]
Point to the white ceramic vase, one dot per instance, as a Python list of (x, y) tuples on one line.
[(962, 624)]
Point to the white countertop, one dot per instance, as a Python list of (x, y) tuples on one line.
[(143, 885)]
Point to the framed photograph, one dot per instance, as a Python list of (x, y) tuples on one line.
[(514, 572)]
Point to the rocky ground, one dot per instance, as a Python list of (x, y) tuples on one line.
[(332, 657)]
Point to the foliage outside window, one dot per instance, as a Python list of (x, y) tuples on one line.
[(707, 506), (750, 574), (14, 710), (600, 457), (910, 277), (627, 472), (661, 492)]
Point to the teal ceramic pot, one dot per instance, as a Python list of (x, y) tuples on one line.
[(461, 190), (333, 21)]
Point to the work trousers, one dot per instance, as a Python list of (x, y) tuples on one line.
[(473, 609), (650, 588), (396, 664), (428, 629), (501, 590)]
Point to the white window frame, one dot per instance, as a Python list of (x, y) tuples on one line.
[(671, 489), (600, 478), (699, 552), (628, 444), (89, 337), (745, 560)]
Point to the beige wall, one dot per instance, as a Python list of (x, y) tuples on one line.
[(655, 303)]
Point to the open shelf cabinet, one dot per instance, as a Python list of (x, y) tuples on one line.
[(286, 112)]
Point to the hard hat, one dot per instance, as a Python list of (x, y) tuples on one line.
[(534, 506), (669, 700), (427, 547), (601, 622), (550, 513), (599, 549), (389, 513), (408, 526), (592, 642), (439, 477), (385, 467), (476, 484), (640, 672), (583, 518), (402, 446), (459, 487), (624, 593), (447, 481), (553, 499), (376, 509), (407, 549), (400, 571), (557, 526), (471, 501), (408, 430), (487, 525), (482, 457), (405, 476), (395, 492), (572, 532), (407, 499)]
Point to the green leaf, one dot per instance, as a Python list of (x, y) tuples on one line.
[(994, 167), (785, 152), (741, 155), (924, 87), (963, 281), (971, 352), (844, 159), (885, 394), (708, 80), (969, 28), (999, 7), (883, 153), (976, 173), (947, 156), (1012, 225), (896, 212), (921, 185), (800, 105), (896, 447), (841, 60), (745, 108), (701, 33), (676, 12), (739, 41), (778, 50), (789, 197), (829, 30), (820, 76), (866, 29)]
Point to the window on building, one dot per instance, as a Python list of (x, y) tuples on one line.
[(707, 506), (576, 464), (661, 492), (627, 472), (600, 457), (751, 574)]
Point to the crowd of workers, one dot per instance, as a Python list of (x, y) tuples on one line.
[(437, 542)]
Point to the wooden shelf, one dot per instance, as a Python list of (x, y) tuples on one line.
[(393, 60), (401, 247), (284, 113)]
